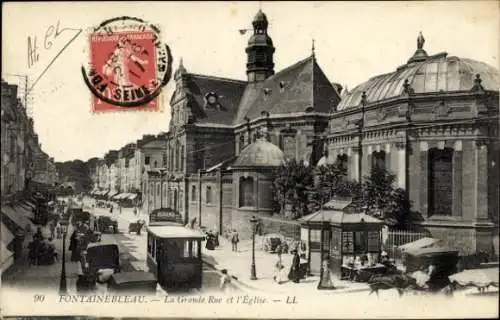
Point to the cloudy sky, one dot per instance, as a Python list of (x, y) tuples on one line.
[(354, 41)]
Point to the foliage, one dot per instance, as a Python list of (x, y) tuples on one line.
[(330, 180), (292, 182), (379, 197)]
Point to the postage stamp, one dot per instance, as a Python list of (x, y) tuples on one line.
[(128, 65)]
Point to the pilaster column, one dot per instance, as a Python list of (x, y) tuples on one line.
[(424, 173), (457, 178), (401, 164), (481, 180), (353, 154), (366, 164)]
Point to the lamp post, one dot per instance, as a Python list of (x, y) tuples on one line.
[(63, 288), (253, 275)]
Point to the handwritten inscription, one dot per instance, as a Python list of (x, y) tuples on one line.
[(37, 50)]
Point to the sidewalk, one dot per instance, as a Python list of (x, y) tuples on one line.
[(23, 276), (238, 265)]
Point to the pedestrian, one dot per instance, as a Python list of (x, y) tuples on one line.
[(120, 209), (225, 281), (234, 240), (326, 281), (135, 210), (279, 251), (294, 273), (279, 275), (73, 247)]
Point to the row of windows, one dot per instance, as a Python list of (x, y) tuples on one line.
[(174, 249)]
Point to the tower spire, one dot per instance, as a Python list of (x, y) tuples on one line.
[(313, 48)]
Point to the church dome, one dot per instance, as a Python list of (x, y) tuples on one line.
[(425, 74), (261, 153)]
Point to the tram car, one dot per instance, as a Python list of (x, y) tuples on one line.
[(174, 251)]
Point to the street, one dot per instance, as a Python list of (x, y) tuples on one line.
[(132, 247)]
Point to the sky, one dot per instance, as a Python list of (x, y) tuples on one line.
[(354, 41)]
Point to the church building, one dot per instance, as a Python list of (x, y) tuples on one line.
[(432, 122)]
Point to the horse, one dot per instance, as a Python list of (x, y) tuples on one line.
[(400, 282)]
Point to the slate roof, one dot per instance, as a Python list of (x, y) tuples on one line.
[(304, 86), (229, 94), (299, 88)]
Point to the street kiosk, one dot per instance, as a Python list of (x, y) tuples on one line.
[(351, 240), (174, 251)]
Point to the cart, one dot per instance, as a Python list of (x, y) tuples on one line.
[(136, 226)]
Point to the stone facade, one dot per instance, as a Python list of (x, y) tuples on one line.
[(22, 156)]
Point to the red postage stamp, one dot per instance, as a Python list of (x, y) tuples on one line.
[(129, 66)]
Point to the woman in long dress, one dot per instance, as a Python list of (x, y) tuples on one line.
[(294, 273), (74, 247)]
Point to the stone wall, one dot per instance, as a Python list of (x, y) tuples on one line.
[(461, 239)]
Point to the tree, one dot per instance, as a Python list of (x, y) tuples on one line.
[(378, 197), (330, 180), (292, 181)]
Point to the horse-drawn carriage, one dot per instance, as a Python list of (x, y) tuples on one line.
[(427, 270)]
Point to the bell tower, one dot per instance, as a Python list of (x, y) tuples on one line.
[(260, 50)]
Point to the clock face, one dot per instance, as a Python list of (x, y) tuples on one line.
[(212, 99)]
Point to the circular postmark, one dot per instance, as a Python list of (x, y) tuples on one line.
[(129, 66)]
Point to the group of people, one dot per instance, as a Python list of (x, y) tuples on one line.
[(42, 250)]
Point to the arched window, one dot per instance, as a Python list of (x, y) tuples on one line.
[(242, 142), (208, 195), (193, 193), (440, 182), (246, 192), (378, 160)]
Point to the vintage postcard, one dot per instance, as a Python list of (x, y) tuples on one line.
[(250, 159)]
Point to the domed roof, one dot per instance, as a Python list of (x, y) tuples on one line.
[(425, 74), (260, 20), (261, 153)]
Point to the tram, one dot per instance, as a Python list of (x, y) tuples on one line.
[(174, 251)]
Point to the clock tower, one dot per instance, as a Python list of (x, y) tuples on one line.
[(260, 50)]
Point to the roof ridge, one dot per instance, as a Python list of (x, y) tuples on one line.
[(216, 78), (291, 67)]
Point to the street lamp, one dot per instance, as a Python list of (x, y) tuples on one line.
[(63, 288), (253, 221)]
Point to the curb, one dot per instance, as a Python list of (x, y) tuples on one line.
[(236, 282), (247, 286)]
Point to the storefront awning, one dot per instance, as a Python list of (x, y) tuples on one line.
[(18, 218), (7, 236), (111, 195), (7, 257), (27, 212), (132, 196)]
